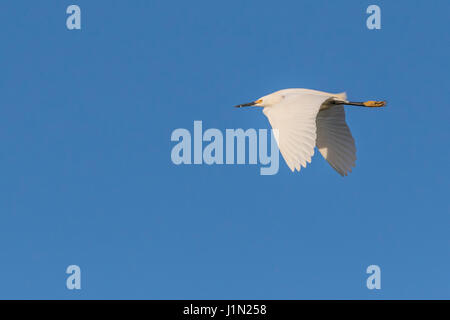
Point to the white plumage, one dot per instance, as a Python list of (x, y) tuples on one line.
[(304, 119), (334, 139)]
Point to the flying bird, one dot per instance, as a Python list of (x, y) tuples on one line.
[(303, 119)]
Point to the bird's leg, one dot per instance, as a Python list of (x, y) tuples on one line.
[(369, 104)]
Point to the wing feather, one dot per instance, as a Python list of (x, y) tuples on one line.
[(334, 139), (295, 120)]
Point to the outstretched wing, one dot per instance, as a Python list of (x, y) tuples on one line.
[(334, 139), (294, 123)]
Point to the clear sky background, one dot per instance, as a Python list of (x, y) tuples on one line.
[(86, 176)]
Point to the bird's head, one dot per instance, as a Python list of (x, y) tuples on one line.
[(266, 101)]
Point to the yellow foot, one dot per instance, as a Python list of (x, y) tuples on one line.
[(374, 104)]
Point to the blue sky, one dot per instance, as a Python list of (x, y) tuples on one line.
[(87, 178)]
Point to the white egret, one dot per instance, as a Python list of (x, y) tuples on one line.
[(304, 119)]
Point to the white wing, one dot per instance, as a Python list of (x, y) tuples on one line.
[(334, 139), (295, 120)]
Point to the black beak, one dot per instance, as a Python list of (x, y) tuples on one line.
[(245, 104)]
